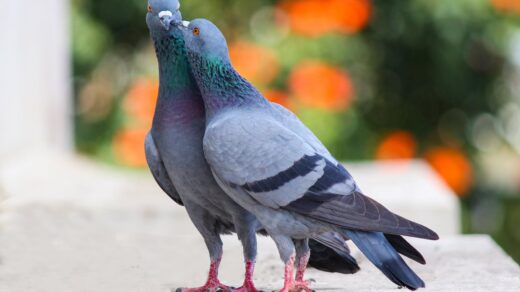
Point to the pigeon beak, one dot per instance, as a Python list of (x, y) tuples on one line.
[(166, 18), (183, 24)]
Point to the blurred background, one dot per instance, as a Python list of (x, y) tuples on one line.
[(421, 100), (374, 79)]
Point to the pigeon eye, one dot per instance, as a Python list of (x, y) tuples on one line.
[(196, 31), (149, 8)]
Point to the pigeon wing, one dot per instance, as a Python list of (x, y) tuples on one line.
[(158, 170), (247, 151), (279, 169), (292, 122)]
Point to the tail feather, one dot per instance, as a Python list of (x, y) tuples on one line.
[(405, 248), (382, 254), (331, 254)]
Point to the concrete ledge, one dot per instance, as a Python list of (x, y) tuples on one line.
[(64, 249)]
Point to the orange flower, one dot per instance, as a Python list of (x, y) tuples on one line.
[(397, 145), (256, 63), (507, 5), (128, 147), (453, 166), (316, 17), (317, 84), (278, 97), (354, 15), (309, 17), (140, 101)]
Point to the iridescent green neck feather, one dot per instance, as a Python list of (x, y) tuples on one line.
[(174, 69), (221, 85)]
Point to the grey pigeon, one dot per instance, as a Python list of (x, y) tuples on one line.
[(175, 157), (275, 167), (174, 149)]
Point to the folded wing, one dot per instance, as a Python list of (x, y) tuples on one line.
[(159, 171), (280, 169)]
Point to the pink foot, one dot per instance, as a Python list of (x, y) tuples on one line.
[(206, 288), (246, 288), (212, 284), (292, 285), (248, 285), (299, 286)]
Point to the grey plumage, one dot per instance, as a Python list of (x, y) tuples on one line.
[(174, 148), (273, 166), (159, 172)]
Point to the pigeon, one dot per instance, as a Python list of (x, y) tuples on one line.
[(174, 150), (175, 157), (271, 164)]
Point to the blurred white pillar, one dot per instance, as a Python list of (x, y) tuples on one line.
[(35, 79)]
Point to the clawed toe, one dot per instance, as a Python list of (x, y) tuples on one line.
[(219, 288), (246, 289), (298, 286)]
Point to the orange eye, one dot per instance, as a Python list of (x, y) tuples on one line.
[(196, 31), (149, 8)]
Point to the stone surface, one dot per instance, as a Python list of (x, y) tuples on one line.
[(67, 224)]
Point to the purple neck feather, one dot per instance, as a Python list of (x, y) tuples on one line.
[(179, 100)]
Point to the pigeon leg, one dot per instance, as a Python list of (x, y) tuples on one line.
[(206, 225), (302, 266), (287, 251), (246, 232), (212, 284), (249, 285), (288, 283), (303, 254)]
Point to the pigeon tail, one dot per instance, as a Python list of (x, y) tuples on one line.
[(330, 255), (382, 254), (405, 248)]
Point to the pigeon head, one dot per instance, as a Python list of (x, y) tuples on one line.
[(204, 40), (162, 15), (220, 84)]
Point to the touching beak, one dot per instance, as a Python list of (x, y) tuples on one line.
[(167, 18), (183, 24)]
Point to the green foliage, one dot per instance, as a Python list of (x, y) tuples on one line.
[(432, 56), (90, 41)]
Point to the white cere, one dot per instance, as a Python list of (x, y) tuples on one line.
[(165, 13), (185, 23)]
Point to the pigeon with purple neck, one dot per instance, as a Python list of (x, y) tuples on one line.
[(174, 150)]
